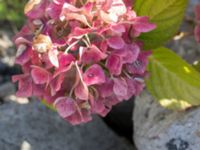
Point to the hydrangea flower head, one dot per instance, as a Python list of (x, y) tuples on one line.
[(81, 56)]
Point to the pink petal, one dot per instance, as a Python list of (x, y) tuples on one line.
[(25, 87), (119, 28), (56, 83), (65, 106), (53, 57), (40, 75), (116, 42), (81, 91), (141, 24), (79, 117), (114, 64), (94, 75), (65, 59), (120, 88), (92, 55), (139, 66), (106, 89), (23, 54)]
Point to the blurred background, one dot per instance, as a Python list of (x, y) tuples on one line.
[(26, 124)]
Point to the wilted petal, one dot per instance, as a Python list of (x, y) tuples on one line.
[(65, 106), (94, 75), (42, 43)]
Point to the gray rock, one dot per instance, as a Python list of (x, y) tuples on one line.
[(32, 126), (159, 129)]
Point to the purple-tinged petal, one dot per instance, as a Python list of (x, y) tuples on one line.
[(116, 42), (120, 88), (139, 66), (142, 24), (25, 85), (105, 89), (65, 106), (118, 28), (114, 64), (23, 54), (81, 91), (92, 55), (94, 75)]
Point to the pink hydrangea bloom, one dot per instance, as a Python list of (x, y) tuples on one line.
[(82, 57)]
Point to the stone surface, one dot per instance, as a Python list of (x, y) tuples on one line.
[(159, 129), (32, 126)]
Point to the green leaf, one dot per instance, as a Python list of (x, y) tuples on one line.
[(174, 83), (166, 14)]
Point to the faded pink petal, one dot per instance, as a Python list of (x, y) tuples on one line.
[(81, 91), (92, 55), (65, 106), (23, 54), (56, 83), (119, 28), (39, 75), (94, 75), (141, 24), (114, 64), (25, 85), (116, 42), (79, 117), (53, 57), (139, 66), (120, 88), (106, 89)]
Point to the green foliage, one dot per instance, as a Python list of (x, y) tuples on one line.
[(166, 14), (174, 83), (12, 10)]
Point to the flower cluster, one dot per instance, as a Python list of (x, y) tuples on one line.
[(81, 56), (197, 19)]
